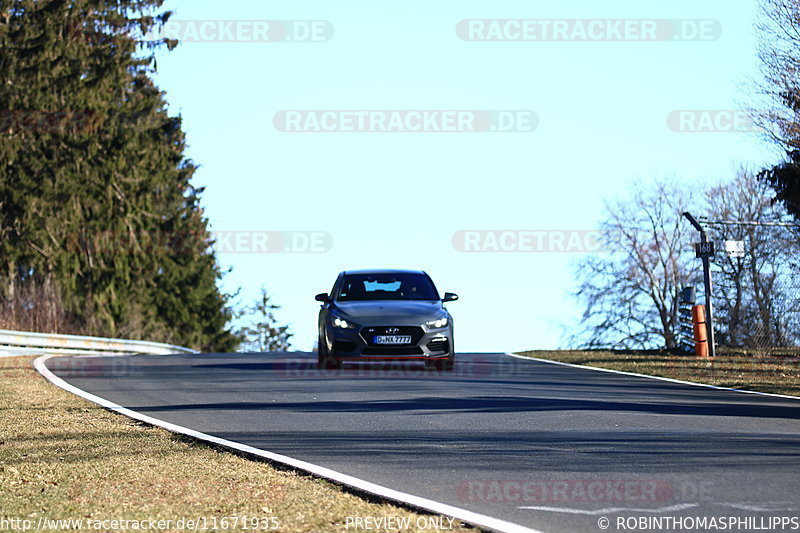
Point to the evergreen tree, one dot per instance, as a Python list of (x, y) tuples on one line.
[(263, 334), (95, 189)]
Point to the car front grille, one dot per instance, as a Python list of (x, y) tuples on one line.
[(368, 334)]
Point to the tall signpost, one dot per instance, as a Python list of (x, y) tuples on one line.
[(705, 250)]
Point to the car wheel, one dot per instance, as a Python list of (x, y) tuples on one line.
[(325, 360), (322, 350)]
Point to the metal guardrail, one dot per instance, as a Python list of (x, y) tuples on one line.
[(28, 343)]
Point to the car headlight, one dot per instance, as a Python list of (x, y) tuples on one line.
[(437, 324), (339, 322)]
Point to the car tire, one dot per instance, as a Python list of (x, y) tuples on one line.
[(325, 360), (322, 350)]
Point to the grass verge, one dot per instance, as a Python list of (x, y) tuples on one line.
[(778, 375), (63, 458)]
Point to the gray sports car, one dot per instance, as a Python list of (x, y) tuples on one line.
[(385, 315)]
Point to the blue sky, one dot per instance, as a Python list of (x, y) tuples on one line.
[(396, 199)]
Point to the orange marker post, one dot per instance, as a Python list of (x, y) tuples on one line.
[(700, 331)]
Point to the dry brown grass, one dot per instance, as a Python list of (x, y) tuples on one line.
[(62, 457), (779, 375)]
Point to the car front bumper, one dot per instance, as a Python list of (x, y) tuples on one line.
[(359, 343)]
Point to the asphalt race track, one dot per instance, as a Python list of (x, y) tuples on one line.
[(546, 446)]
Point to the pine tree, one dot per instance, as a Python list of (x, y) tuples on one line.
[(95, 189), (263, 334)]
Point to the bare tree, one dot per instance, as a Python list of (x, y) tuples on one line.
[(631, 292), (751, 292), (779, 52)]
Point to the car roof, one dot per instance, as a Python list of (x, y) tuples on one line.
[(384, 271)]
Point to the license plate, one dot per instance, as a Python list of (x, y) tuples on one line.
[(392, 339)]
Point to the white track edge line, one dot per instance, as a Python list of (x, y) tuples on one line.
[(661, 378), (610, 510), (321, 471)]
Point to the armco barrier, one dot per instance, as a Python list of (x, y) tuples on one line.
[(27, 343)]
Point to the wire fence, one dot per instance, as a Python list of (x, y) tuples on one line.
[(756, 292)]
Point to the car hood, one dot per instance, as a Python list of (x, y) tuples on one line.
[(425, 310)]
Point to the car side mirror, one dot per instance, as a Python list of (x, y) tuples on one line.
[(322, 297), (450, 297)]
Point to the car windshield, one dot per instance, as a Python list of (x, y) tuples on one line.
[(362, 287)]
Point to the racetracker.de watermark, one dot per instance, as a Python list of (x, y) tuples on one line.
[(711, 121), (405, 121), (527, 241), (95, 366), (221, 242), (635, 492), (589, 30), (562, 491), (475, 367), (39, 121), (266, 242), (244, 31)]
